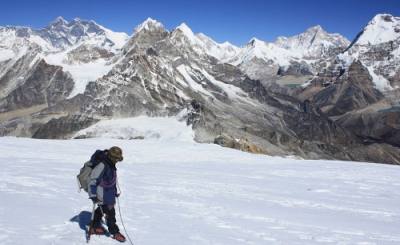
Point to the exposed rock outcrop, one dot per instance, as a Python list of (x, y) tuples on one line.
[(63, 127), (351, 91), (239, 144), (41, 84)]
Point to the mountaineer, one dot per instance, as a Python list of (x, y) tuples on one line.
[(102, 190)]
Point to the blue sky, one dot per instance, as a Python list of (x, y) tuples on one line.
[(236, 21)]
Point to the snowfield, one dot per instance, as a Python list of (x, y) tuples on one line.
[(180, 192)]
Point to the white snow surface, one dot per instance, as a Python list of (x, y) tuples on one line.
[(82, 73), (118, 38), (6, 54), (184, 70), (232, 91), (187, 32), (160, 128), (381, 83), (222, 51), (382, 28), (182, 192), (267, 51)]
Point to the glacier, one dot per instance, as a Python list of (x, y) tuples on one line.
[(176, 191)]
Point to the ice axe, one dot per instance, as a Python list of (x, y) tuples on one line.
[(91, 224)]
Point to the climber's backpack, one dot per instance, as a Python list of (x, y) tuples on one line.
[(84, 174)]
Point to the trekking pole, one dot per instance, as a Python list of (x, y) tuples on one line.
[(91, 223)]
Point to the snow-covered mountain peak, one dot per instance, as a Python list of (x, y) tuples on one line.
[(88, 26), (382, 28), (305, 38), (257, 49), (185, 29), (313, 35), (377, 47), (62, 34), (303, 50), (204, 37), (314, 42), (228, 44), (210, 42), (187, 32), (184, 37), (59, 20), (255, 42), (380, 19), (221, 51), (149, 25), (315, 29)]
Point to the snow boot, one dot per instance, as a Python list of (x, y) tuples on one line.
[(99, 230), (119, 237)]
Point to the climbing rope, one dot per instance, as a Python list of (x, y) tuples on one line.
[(120, 216)]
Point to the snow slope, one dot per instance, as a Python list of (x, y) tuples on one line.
[(181, 192), (6, 54), (55, 43), (262, 50), (382, 28), (160, 128), (82, 73), (203, 44)]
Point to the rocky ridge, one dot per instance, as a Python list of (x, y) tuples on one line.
[(219, 89)]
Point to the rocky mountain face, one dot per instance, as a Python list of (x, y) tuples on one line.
[(69, 75), (377, 46), (359, 87), (351, 91)]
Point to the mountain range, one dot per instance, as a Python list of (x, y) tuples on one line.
[(313, 95)]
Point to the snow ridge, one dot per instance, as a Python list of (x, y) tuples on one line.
[(382, 28), (381, 36), (148, 25)]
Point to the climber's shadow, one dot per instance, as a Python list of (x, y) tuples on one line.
[(83, 219)]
